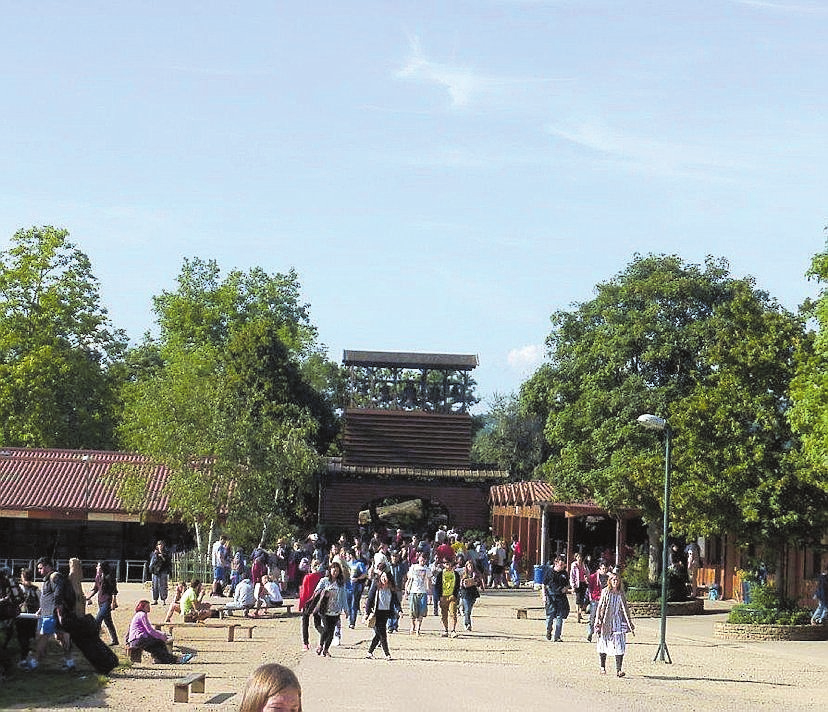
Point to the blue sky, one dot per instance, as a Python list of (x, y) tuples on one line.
[(443, 175)]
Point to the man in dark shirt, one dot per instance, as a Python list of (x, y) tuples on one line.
[(555, 588), (54, 607)]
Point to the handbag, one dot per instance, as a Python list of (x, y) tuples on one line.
[(371, 619)]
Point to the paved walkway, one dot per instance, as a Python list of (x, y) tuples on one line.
[(505, 663)]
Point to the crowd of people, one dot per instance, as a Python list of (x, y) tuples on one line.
[(372, 580)]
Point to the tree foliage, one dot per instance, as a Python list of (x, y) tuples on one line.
[(59, 354), (223, 400), (710, 353), (809, 390), (511, 438)]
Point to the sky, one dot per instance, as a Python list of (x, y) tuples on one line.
[(442, 175)]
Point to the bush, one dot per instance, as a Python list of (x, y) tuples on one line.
[(767, 607), (643, 595)]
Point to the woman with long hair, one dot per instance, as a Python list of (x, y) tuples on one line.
[(471, 583), (107, 591), (382, 600), (332, 603), (612, 621), (75, 580), (272, 687)]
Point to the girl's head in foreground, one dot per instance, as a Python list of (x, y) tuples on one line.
[(272, 688)]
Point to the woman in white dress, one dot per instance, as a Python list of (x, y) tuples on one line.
[(612, 621)]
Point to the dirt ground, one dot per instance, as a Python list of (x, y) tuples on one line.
[(505, 663)]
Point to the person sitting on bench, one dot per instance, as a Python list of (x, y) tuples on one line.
[(193, 609), (268, 594), (243, 598), (143, 636)]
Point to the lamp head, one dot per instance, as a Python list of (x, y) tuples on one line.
[(652, 422)]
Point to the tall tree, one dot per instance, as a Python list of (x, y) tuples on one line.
[(713, 355), (59, 354), (809, 390), (244, 427)]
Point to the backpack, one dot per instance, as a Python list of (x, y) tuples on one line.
[(31, 601), (69, 596)]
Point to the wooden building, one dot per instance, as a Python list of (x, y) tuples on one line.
[(406, 437), (62, 503)]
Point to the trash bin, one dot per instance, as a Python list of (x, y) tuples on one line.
[(539, 571)]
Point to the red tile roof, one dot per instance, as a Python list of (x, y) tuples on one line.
[(526, 494), (72, 484)]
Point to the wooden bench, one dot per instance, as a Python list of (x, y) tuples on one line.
[(231, 628), (185, 685), (524, 612), (136, 654), (272, 611)]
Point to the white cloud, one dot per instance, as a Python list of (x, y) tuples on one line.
[(793, 8), (643, 154), (463, 84), (526, 358)]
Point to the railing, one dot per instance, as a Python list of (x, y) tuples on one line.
[(141, 566), (188, 565)]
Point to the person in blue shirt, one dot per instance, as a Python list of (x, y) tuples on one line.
[(358, 577)]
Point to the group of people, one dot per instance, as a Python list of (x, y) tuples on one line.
[(602, 592), (374, 581)]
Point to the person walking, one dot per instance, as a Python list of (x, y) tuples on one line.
[(471, 583), (517, 556), (306, 591), (107, 590), (160, 568), (448, 585), (383, 602), (578, 584), (555, 590), (612, 621), (359, 575), (597, 581), (417, 586), (332, 603), (57, 603)]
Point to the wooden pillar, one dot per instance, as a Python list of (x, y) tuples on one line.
[(570, 536), (543, 536)]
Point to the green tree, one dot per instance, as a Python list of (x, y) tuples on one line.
[(713, 355), (511, 438), (809, 389), (222, 400), (59, 354)]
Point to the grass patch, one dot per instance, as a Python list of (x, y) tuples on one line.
[(48, 685)]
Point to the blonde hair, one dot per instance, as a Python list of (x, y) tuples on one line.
[(75, 579), (265, 682)]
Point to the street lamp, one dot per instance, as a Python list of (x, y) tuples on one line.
[(653, 422), (85, 459)]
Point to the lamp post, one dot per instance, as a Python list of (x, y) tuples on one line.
[(86, 497), (653, 422)]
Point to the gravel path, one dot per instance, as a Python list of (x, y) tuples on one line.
[(505, 663)]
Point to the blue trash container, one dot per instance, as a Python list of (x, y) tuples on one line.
[(538, 577)]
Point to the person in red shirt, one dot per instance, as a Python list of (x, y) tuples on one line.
[(517, 555), (306, 590)]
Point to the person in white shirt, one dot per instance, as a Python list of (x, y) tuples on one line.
[(417, 586), (244, 598), (268, 594)]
